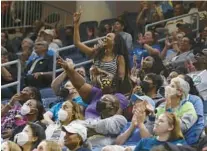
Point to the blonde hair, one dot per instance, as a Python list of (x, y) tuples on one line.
[(176, 133), (76, 110), (52, 145), (13, 146)]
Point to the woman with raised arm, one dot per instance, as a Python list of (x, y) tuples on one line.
[(110, 55)]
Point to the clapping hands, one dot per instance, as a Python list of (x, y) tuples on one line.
[(141, 110), (66, 64)]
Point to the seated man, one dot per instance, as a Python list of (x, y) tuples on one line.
[(48, 35), (38, 72), (148, 46), (183, 49), (78, 134), (103, 131), (150, 86)]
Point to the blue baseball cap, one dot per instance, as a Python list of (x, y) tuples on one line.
[(136, 97)]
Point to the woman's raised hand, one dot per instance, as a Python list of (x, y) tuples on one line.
[(66, 64), (77, 15)]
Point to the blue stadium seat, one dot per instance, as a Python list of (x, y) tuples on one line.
[(75, 56), (47, 93), (4, 101), (49, 102)]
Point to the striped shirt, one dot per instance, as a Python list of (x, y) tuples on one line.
[(110, 66)]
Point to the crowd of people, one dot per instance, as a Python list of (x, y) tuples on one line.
[(138, 95)]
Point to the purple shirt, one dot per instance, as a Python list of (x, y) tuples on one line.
[(90, 111), (95, 96), (9, 120)]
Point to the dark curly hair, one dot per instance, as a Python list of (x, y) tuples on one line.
[(157, 79)]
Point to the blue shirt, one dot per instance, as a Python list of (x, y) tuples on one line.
[(55, 110), (83, 149), (193, 134), (134, 137), (141, 52), (170, 52), (146, 144), (79, 101), (34, 56)]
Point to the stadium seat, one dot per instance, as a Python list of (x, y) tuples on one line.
[(49, 102), (47, 93), (76, 57), (107, 21), (4, 101), (83, 27)]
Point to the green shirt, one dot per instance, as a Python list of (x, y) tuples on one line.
[(185, 112)]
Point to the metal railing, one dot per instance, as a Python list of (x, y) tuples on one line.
[(54, 64), (175, 18), (22, 14), (18, 75), (54, 15), (70, 47)]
